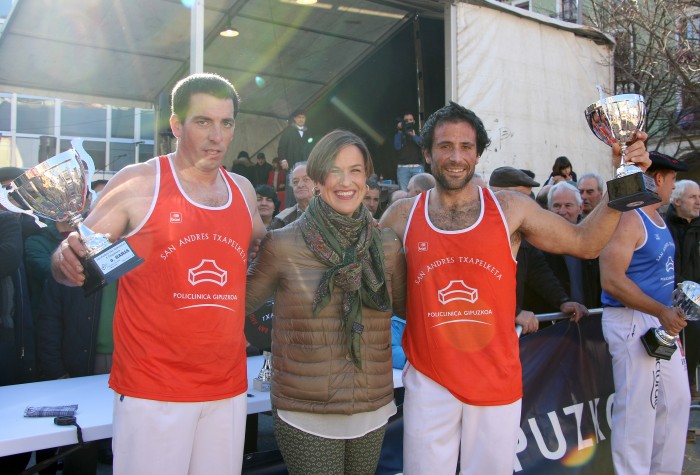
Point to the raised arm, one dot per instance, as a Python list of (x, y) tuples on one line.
[(551, 233)]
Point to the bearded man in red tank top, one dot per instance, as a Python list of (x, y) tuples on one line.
[(463, 377), (179, 369)]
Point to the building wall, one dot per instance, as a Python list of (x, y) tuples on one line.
[(530, 82)]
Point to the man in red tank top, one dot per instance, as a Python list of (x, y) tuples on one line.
[(463, 376), (179, 370)]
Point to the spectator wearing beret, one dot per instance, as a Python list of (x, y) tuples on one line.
[(651, 393)]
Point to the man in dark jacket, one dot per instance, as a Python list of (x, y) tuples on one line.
[(683, 220), (579, 277), (295, 143), (16, 326), (37, 257), (261, 170), (75, 339), (294, 147)]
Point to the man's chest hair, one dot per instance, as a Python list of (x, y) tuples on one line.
[(456, 217)]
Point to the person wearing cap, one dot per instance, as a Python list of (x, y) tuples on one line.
[(510, 178), (461, 243), (651, 403), (294, 145), (533, 276), (683, 220)]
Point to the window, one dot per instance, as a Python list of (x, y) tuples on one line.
[(569, 10), (122, 122), (120, 155), (96, 150), (145, 152), (27, 152), (5, 113), (79, 119), (147, 124), (35, 116)]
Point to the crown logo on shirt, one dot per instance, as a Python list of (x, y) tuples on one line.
[(669, 264), (175, 217), (207, 271), (457, 290)]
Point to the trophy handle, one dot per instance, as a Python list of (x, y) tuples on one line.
[(77, 145), (9, 206)]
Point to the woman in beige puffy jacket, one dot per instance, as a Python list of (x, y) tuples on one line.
[(335, 277)]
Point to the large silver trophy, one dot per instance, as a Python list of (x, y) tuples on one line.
[(618, 118), (660, 344), (57, 189)]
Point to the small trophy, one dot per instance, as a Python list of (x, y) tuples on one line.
[(617, 118), (262, 382), (57, 189), (660, 344)]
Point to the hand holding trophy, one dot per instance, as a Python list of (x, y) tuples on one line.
[(657, 341), (57, 189), (617, 119)]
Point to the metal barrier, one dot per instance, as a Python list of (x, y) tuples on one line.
[(556, 316)]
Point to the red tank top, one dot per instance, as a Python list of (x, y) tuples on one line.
[(178, 323), (460, 325)]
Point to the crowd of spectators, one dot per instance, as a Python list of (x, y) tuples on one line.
[(50, 330)]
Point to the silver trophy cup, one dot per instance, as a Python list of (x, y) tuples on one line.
[(57, 189), (262, 382), (617, 119), (660, 344)]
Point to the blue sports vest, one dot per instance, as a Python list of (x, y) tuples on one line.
[(651, 267)]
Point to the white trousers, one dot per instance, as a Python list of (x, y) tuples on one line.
[(652, 400), (195, 438), (435, 422)]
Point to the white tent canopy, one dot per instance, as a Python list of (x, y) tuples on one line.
[(530, 80), (528, 76)]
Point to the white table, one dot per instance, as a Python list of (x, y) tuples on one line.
[(94, 399)]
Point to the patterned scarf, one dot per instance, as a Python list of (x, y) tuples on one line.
[(352, 247)]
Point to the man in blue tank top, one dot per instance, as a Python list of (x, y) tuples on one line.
[(651, 404)]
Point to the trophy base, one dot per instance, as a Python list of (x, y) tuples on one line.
[(632, 191), (656, 349), (260, 385), (108, 265)]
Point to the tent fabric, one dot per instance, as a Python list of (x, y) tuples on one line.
[(530, 82)]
